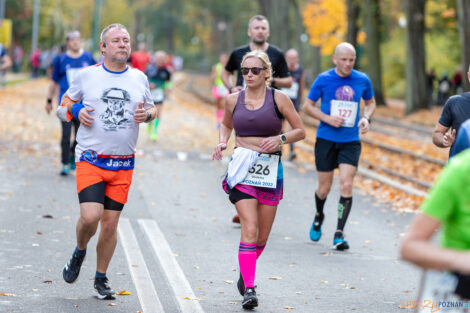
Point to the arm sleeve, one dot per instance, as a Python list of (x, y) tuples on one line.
[(369, 91), (446, 115), (315, 92)]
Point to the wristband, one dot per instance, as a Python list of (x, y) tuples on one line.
[(230, 89), (222, 142), (367, 118), (49, 100), (76, 107)]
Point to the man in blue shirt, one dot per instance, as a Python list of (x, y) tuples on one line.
[(65, 67), (337, 146)]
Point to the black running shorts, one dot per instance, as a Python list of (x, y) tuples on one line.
[(328, 154)]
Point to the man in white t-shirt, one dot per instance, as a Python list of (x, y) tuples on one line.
[(110, 100)]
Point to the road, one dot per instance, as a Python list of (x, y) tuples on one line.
[(177, 249)]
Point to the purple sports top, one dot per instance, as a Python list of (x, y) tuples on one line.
[(262, 122)]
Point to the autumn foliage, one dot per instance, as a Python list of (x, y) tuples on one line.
[(326, 23)]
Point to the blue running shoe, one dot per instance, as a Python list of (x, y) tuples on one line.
[(73, 166), (339, 242), (65, 170), (315, 230)]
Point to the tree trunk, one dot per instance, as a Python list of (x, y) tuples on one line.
[(316, 69), (372, 27), (353, 10), (463, 15), (299, 29), (416, 97), (264, 7)]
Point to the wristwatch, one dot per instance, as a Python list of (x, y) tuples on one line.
[(283, 138), (149, 117)]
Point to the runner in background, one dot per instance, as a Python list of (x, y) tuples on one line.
[(254, 179), (338, 145), (258, 31), (65, 68), (219, 92), (159, 78), (5, 63), (295, 92), (456, 111), (140, 59)]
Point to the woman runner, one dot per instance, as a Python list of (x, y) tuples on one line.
[(256, 114)]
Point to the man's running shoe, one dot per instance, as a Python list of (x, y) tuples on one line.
[(241, 285), (339, 242), (315, 230), (72, 268), (65, 170), (250, 301), (102, 289), (236, 219)]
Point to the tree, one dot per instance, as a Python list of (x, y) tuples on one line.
[(353, 10), (372, 27), (416, 97), (463, 15)]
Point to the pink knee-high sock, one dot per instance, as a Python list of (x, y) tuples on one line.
[(259, 250), (247, 262), (219, 115)]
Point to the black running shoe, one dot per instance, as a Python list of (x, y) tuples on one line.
[(102, 289), (241, 285), (339, 242), (250, 301), (72, 268)]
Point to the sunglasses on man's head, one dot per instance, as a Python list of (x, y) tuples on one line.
[(254, 70)]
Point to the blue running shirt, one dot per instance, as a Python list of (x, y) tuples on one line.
[(66, 67), (343, 95)]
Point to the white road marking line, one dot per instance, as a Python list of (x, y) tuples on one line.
[(140, 274), (182, 156), (177, 279)]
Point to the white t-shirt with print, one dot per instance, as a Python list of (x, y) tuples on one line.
[(114, 96)]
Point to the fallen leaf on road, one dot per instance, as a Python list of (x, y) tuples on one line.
[(324, 281), (39, 233), (192, 298), (228, 281), (287, 238), (298, 292), (275, 278), (327, 254), (6, 294), (288, 307), (233, 302), (112, 304), (123, 293), (47, 216)]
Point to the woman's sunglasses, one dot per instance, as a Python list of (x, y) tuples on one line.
[(254, 70)]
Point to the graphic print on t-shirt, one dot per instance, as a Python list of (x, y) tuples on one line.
[(116, 116)]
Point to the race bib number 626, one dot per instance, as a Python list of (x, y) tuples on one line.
[(264, 172)]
